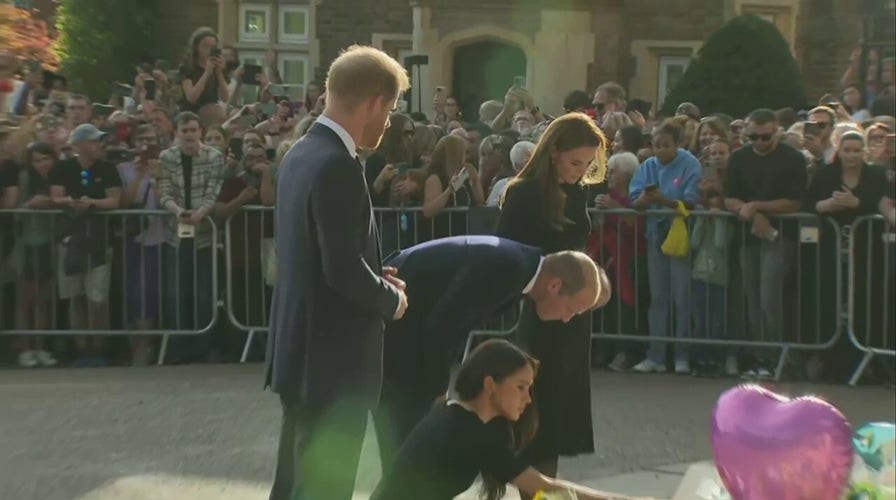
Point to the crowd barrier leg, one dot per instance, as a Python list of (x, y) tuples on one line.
[(249, 338), (782, 360), (162, 350), (861, 368)]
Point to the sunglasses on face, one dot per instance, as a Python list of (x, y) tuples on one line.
[(760, 137), (599, 106)]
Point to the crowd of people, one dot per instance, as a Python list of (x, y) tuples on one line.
[(205, 140)]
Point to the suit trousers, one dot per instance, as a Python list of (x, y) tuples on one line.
[(319, 450)]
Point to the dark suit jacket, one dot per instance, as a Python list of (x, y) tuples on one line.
[(328, 308), (453, 285)]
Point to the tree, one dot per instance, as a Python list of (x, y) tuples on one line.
[(27, 37), (101, 41), (743, 66)]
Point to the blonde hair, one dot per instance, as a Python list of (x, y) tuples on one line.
[(449, 150), (362, 72), (615, 121), (570, 131)]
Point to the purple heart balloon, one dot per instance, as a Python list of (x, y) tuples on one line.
[(769, 447)]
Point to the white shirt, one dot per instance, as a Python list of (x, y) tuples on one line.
[(494, 197), (531, 284), (341, 132)]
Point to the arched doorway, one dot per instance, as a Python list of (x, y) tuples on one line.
[(485, 70)]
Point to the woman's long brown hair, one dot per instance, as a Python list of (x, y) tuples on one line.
[(498, 359), (570, 131)]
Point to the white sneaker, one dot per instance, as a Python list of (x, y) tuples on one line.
[(45, 358), (648, 366), (618, 363), (27, 359), (731, 366), (682, 368)]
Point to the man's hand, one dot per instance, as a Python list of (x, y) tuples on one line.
[(402, 304), (761, 226), (81, 205), (747, 211), (196, 217)]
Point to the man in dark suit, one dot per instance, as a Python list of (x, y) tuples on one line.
[(324, 355), (453, 285)]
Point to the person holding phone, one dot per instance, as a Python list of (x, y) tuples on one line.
[(671, 176), (450, 182), (202, 73)]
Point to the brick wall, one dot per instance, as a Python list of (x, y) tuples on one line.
[(341, 23), (176, 22)]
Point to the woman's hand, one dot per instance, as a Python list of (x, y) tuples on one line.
[(845, 198), (384, 177), (606, 201)]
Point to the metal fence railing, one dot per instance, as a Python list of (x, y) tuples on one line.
[(107, 273), (872, 317), (795, 293)]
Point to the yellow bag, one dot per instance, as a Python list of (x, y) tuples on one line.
[(677, 242)]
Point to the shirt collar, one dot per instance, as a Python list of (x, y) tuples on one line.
[(531, 284), (341, 132)]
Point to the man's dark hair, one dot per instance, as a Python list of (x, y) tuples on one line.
[(786, 117), (671, 128), (762, 116), (186, 117), (576, 99)]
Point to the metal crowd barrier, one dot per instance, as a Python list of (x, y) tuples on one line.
[(812, 311), (809, 314), (250, 261), (872, 328), (132, 282)]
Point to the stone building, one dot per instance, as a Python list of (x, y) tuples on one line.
[(477, 47)]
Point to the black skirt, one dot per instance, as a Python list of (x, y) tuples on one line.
[(562, 386)]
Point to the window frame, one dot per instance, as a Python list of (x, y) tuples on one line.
[(283, 57), (246, 36), (282, 36), (663, 63)]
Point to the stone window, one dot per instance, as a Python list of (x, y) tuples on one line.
[(255, 23), (293, 24)]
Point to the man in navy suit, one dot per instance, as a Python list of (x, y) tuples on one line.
[(325, 347), (453, 285)]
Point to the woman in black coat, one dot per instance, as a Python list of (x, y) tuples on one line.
[(546, 206)]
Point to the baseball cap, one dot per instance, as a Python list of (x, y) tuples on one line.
[(85, 132)]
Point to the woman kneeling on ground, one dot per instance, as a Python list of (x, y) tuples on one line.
[(481, 432)]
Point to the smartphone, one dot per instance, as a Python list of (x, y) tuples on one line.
[(122, 89), (650, 187), (270, 154), (235, 146), (519, 82), (102, 109), (811, 128), (250, 73), (639, 105), (246, 121), (215, 52), (149, 152), (402, 168), (267, 108), (278, 90), (150, 85)]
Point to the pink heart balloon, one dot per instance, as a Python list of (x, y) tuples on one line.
[(768, 447)]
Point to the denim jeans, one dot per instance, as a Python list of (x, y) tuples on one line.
[(709, 312), (765, 269), (670, 282)]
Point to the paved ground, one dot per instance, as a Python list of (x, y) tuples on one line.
[(197, 432)]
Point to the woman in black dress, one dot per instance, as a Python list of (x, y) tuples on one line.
[(479, 433), (546, 206)]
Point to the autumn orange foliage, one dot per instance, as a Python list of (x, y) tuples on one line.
[(26, 36)]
